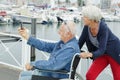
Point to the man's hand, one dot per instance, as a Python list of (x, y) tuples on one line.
[(85, 55), (23, 32), (28, 66)]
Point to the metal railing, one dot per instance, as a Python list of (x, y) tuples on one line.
[(8, 43)]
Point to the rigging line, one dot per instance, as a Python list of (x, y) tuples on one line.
[(7, 49)]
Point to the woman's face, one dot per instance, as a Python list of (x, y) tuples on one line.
[(86, 21)]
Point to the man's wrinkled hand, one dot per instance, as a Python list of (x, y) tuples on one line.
[(28, 66)]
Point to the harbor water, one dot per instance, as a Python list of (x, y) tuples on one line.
[(50, 32)]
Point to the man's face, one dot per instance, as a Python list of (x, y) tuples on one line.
[(62, 32)]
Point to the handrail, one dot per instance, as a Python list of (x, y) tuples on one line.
[(7, 49), (25, 57)]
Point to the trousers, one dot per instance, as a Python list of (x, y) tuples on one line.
[(99, 64)]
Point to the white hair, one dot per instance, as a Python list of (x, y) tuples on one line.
[(92, 12), (70, 26)]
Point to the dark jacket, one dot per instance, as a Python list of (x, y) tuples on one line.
[(108, 42)]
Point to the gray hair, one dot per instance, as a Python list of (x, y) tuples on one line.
[(70, 26), (92, 12)]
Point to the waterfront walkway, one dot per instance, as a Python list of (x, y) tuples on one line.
[(8, 73)]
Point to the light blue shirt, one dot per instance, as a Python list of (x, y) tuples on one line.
[(61, 54)]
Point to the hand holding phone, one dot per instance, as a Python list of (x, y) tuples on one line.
[(21, 25)]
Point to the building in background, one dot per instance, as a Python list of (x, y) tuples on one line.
[(105, 4), (41, 2)]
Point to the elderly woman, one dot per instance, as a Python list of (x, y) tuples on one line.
[(102, 44)]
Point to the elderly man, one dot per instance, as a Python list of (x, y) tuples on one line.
[(61, 52)]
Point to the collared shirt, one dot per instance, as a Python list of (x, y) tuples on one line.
[(61, 54)]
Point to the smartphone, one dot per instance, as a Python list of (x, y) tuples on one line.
[(21, 25)]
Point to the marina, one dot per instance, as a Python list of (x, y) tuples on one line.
[(49, 12), (14, 50)]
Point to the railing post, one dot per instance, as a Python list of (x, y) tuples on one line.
[(33, 34), (25, 53)]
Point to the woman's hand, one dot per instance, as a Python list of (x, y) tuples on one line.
[(85, 55), (24, 33)]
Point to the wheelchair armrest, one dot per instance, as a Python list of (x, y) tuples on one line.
[(82, 51), (53, 71)]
